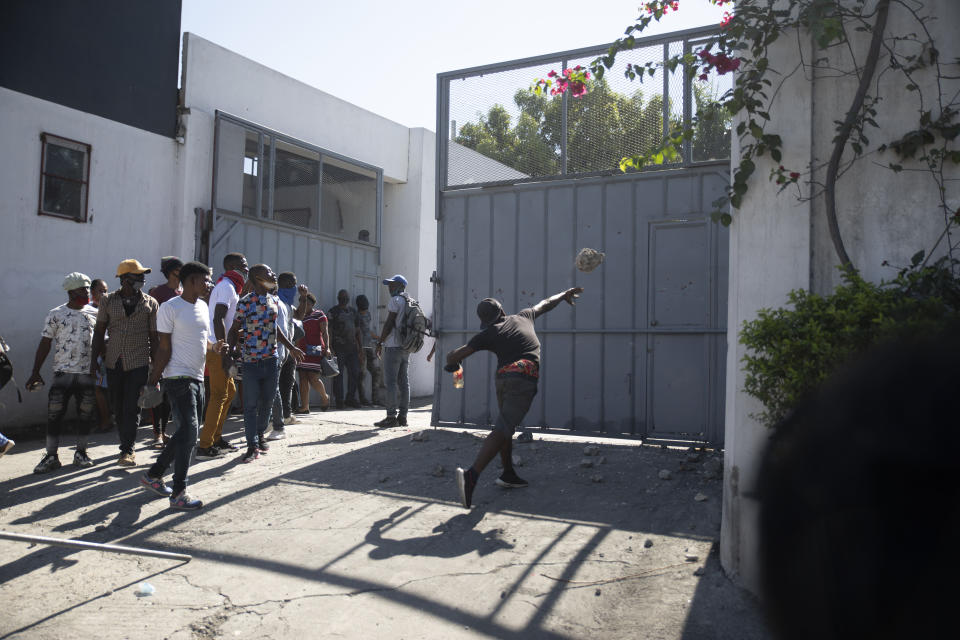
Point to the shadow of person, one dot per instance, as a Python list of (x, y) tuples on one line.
[(455, 537), (341, 438)]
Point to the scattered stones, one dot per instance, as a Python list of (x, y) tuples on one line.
[(597, 592), (438, 471), (700, 571), (586, 462), (384, 478), (591, 450), (597, 477), (713, 468), (690, 557), (420, 436), (648, 543), (693, 457), (664, 474), (602, 460), (517, 461), (503, 594), (700, 497)]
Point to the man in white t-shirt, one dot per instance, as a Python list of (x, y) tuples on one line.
[(68, 332), (183, 329), (223, 306), (396, 359)]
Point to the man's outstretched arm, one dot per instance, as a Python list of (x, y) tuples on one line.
[(458, 354), (570, 295)]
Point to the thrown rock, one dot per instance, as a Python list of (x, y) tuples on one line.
[(588, 259), (586, 462), (664, 474), (700, 497), (438, 471)]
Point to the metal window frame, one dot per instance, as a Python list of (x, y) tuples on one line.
[(687, 37), (275, 136), (87, 150)]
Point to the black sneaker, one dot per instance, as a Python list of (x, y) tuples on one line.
[(262, 444), (225, 445), (81, 459), (49, 462), (402, 420), (466, 483), (510, 480), (208, 453), (252, 454), (387, 423)]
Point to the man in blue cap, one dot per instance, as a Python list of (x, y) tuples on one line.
[(396, 359)]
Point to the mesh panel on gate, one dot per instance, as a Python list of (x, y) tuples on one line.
[(500, 130)]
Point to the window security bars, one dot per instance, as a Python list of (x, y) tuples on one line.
[(64, 178)]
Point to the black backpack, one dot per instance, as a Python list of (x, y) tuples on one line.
[(411, 325), (6, 368)]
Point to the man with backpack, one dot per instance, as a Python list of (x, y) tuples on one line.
[(402, 335)]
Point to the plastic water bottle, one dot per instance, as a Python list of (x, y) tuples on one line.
[(458, 378)]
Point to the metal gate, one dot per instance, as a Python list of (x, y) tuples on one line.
[(643, 352)]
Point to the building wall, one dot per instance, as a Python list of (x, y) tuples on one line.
[(134, 212), (778, 243), (218, 79), (66, 52)]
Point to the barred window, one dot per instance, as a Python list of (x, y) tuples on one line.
[(64, 178)]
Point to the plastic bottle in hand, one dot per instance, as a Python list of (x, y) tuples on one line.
[(458, 378)]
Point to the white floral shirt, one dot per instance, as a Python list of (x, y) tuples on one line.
[(72, 333)]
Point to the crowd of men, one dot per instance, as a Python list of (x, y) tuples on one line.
[(187, 347), (184, 349)]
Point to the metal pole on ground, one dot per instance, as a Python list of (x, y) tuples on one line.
[(94, 546)]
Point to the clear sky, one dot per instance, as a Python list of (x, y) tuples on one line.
[(384, 56)]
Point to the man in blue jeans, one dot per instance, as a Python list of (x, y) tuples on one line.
[(396, 359), (256, 316), (183, 327)]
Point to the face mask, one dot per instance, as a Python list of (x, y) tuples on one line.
[(287, 294), (137, 285), (82, 299)]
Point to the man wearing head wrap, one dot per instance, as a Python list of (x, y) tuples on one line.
[(514, 341), (68, 331)]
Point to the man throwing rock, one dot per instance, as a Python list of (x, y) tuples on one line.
[(514, 341)]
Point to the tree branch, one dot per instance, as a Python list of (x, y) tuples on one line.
[(869, 68)]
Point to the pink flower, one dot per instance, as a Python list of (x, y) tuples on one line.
[(552, 74), (794, 175), (703, 76)]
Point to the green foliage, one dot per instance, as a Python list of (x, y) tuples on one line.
[(602, 127), (790, 351)]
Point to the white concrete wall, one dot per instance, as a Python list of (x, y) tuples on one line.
[(218, 79), (778, 243), (134, 212)]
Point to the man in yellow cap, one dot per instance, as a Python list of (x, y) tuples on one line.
[(129, 317), (67, 331)]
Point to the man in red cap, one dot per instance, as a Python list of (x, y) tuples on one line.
[(129, 317), (67, 331)]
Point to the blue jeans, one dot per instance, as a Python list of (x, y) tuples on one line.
[(3, 440), (396, 363), (259, 390), (186, 404)]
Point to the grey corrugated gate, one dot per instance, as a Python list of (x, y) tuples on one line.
[(643, 352)]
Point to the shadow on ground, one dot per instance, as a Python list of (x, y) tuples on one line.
[(620, 491)]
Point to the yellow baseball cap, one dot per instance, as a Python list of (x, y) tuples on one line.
[(131, 266)]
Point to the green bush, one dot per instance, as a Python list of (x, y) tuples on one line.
[(790, 351)]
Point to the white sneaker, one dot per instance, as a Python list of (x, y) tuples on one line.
[(276, 435), (290, 419)]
